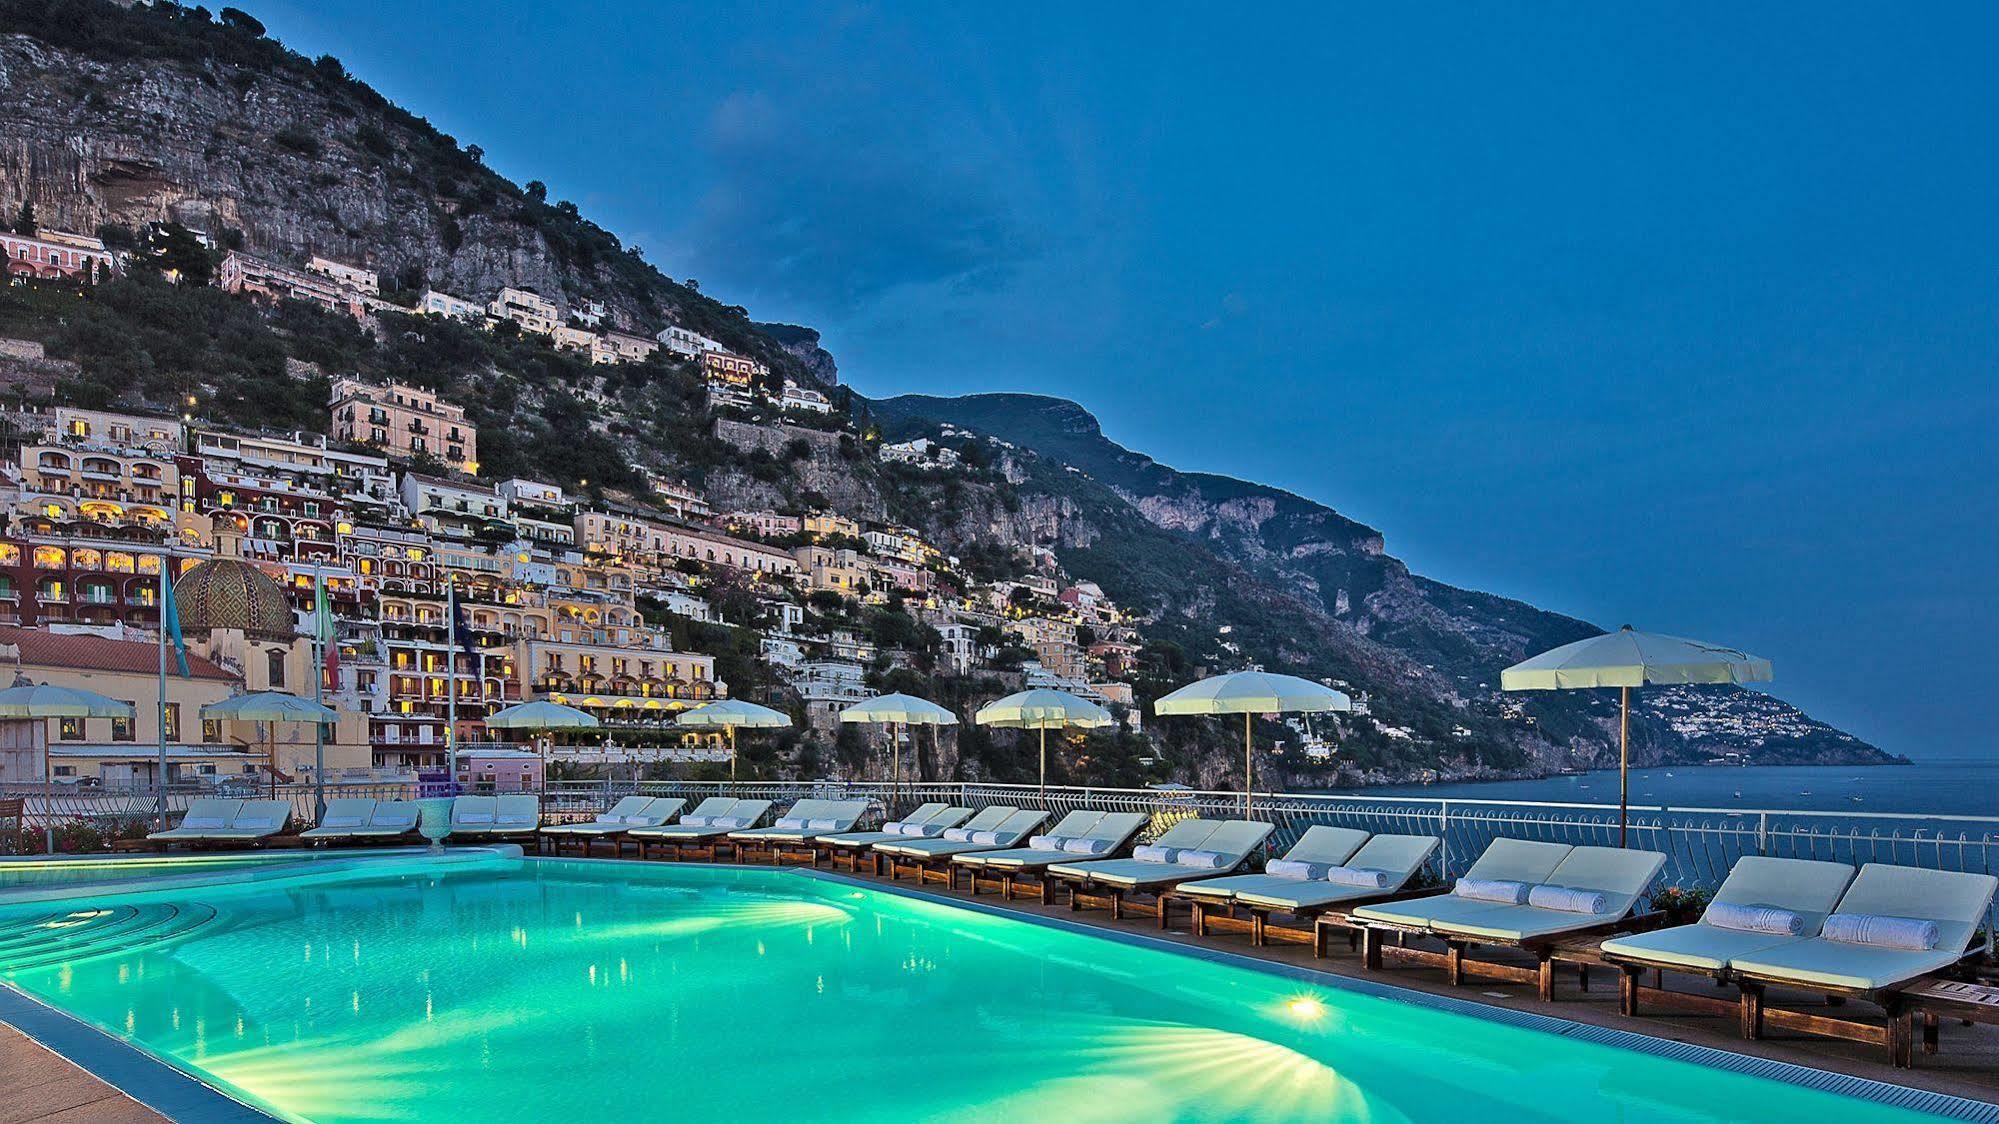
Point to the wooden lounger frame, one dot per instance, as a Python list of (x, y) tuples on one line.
[(1458, 965), (1085, 893), (933, 869), (776, 852), (706, 850), (1225, 916)]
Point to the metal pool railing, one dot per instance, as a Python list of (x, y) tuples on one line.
[(1701, 844)]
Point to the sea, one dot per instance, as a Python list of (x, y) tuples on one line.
[(1949, 786)]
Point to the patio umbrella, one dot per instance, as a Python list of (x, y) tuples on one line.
[(1043, 709), (732, 715), (908, 710), (1625, 659), (1250, 693), (46, 700), (540, 718), (272, 707)]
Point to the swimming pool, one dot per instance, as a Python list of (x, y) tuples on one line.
[(505, 989)]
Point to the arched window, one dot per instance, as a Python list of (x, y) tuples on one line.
[(10, 555), (119, 562), (276, 660), (50, 558), (84, 558), (95, 591), (51, 590)]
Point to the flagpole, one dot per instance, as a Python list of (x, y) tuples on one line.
[(318, 695), (451, 680), (166, 564)]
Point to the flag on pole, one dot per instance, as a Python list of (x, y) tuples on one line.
[(324, 628), (461, 629), (170, 617)]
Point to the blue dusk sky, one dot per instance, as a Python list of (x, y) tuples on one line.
[(1681, 317)]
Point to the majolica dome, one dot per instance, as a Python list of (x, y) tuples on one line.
[(231, 593)]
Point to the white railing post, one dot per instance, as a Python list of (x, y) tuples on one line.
[(1444, 839)]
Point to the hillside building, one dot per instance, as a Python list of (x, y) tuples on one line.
[(405, 422)]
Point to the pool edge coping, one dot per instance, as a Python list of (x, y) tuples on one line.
[(133, 1072), (1946, 1105)]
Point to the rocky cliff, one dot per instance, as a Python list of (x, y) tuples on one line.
[(123, 117)]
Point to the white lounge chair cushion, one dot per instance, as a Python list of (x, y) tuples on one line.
[(1086, 846), (1755, 919), (201, 823), (1836, 964), (1297, 869), (1568, 899), (475, 817), (1700, 947), (1915, 934), (1154, 853), (791, 823), (1494, 890), (342, 821)]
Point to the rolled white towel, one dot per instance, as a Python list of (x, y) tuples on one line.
[(1491, 890), (987, 837), (1356, 876), (1754, 919), (1046, 842), (1087, 846), (731, 822), (822, 825), (1916, 933), (923, 830), (893, 827), (1568, 899), (1206, 859), (1297, 869), (791, 823), (1153, 853), (958, 834), (694, 821)]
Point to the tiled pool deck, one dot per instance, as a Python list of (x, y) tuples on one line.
[(41, 1085)]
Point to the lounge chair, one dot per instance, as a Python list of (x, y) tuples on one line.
[(993, 829), (495, 817), (796, 831), (631, 812), (1320, 849), (1188, 850), (251, 821), (1076, 836), (1312, 897), (202, 816), (1940, 913), (1591, 891), (381, 821), (702, 831), (1805, 887), (927, 821)]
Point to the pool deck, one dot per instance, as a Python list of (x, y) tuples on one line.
[(41, 1085)]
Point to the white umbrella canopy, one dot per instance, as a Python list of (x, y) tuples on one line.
[(732, 715), (269, 706), (1249, 693), (46, 700), (907, 710), (1625, 659), (541, 716), (898, 709), (1043, 709)]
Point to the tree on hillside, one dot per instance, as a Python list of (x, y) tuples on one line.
[(240, 20), (24, 220), (176, 252)]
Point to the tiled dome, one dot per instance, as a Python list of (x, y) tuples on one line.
[(231, 593)]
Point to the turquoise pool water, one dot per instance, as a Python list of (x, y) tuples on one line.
[(19, 874), (523, 990)]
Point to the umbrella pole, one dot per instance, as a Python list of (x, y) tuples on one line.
[(1248, 762), (48, 790), (732, 753), (895, 764), (1623, 763), (1044, 759)]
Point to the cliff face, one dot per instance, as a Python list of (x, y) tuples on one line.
[(127, 117), (1316, 591)]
